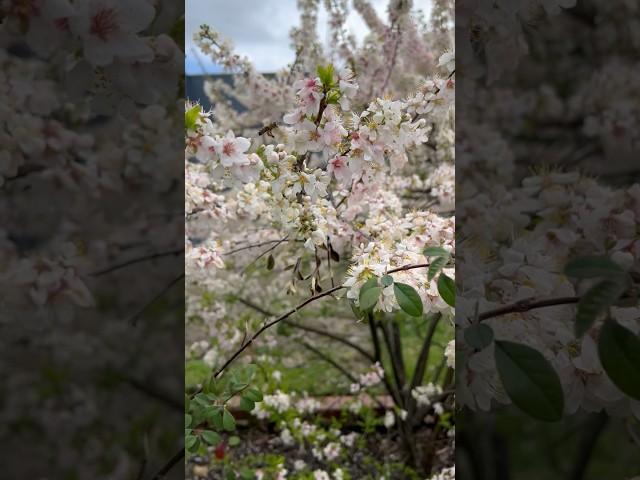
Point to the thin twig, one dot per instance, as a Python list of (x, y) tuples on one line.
[(256, 245), (166, 468), (330, 361), (295, 309), (268, 250), (306, 328), (134, 319), (268, 325), (133, 261), (153, 392)]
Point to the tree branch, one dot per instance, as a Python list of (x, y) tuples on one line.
[(270, 324), (526, 305), (423, 357), (134, 318), (309, 300), (317, 331), (330, 361), (261, 244), (594, 429), (166, 468), (396, 368), (133, 261)]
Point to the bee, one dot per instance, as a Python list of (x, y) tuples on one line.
[(267, 129)]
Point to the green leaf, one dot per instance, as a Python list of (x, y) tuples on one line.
[(196, 372), (228, 422), (359, 314), (333, 97), (434, 252), (236, 386), (212, 438), (592, 266), (369, 294), (234, 441), (326, 75), (529, 380), (190, 442), (408, 299), (187, 420), (246, 404), (447, 289), (215, 417), (619, 351), (479, 336), (596, 301), (247, 474), (436, 265), (386, 280), (253, 394), (191, 116)]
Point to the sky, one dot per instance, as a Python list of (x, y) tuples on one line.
[(258, 29)]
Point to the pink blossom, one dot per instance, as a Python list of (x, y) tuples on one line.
[(339, 168)]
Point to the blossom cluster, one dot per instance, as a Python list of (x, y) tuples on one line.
[(85, 130), (330, 172), (521, 270)]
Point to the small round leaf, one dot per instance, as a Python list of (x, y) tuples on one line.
[(479, 336), (253, 394), (211, 437), (228, 422), (246, 404)]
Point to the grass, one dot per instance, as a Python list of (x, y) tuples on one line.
[(304, 371)]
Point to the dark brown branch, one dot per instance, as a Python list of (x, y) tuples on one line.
[(526, 305), (330, 361), (153, 392), (133, 261), (309, 300), (166, 468), (398, 374), (261, 244), (594, 430), (306, 328), (270, 324), (378, 356), (25, 171), (268, 250), (423, 357), (392, 62), (134, 318)]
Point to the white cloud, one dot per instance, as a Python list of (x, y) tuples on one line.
[(258, 29)]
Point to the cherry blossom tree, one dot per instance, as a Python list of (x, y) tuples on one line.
[(330, 187)]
